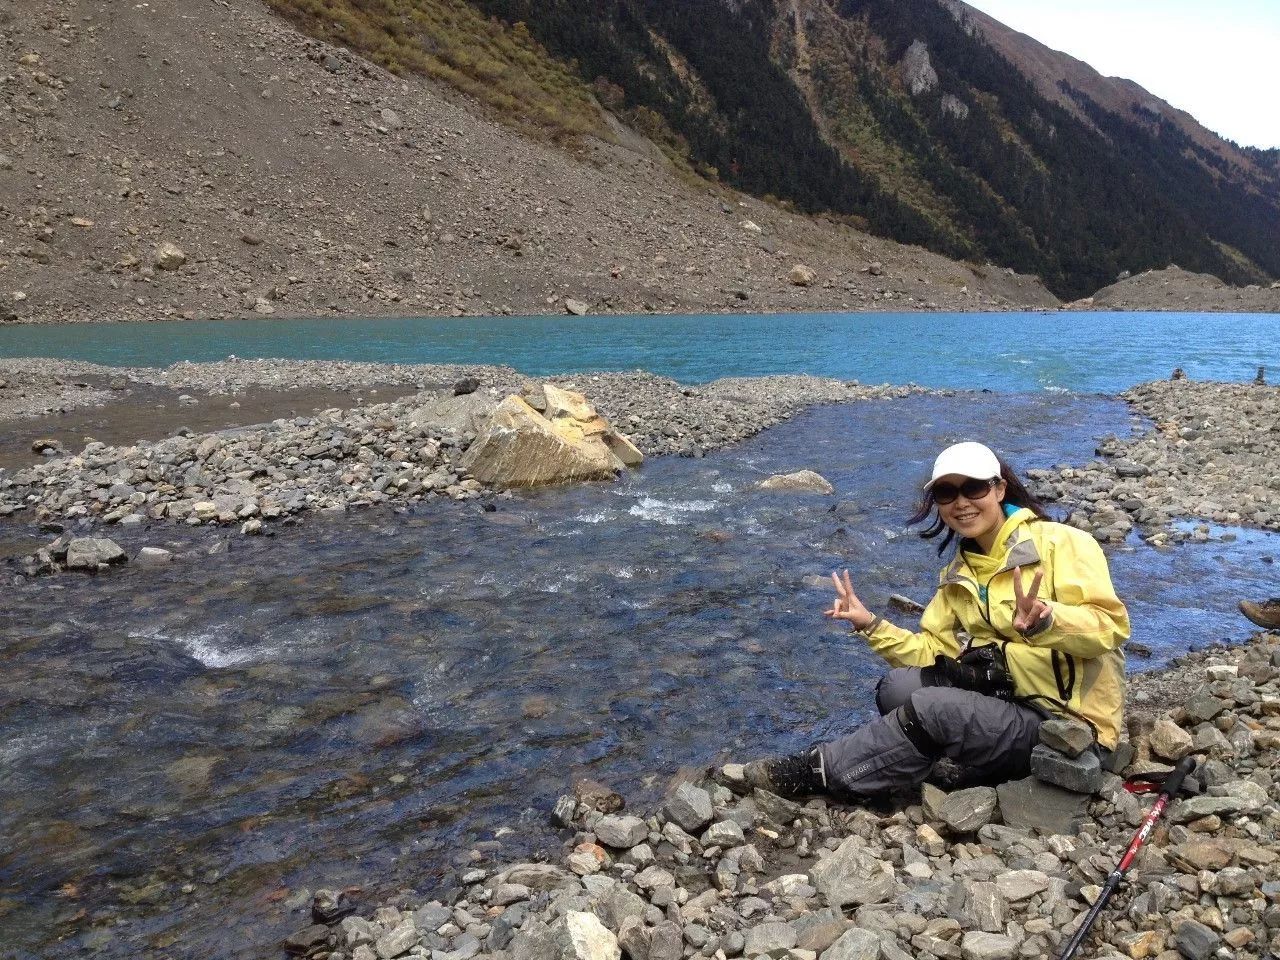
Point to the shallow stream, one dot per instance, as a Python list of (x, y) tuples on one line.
[(189, 751)]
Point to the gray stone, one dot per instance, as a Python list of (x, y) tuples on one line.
[(666, 941), (1032, 804), (153, 557), (964, 811), (566, 809), (724, 833), (979, 945), (801, 481), (86, 553), (689, 807), (433, 916), (819, 929), (766, 937), (1066, 735), (986, 907), (622, 832), (1195, 941), (1083, 774), (398, 941), (852, 874), (855, 944), (776, 808), (575, 936), (538, 877), (1016, 885), (1203, 707)]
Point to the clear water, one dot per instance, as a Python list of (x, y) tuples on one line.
[(1084, 352), (360, 699)]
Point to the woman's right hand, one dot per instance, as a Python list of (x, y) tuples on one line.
[(847, 606)]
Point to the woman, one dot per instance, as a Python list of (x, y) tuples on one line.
[(1024, 621)]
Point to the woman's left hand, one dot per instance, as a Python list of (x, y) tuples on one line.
[(1030, 612)]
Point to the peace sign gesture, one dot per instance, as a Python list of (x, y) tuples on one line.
[(1030, 612), (847, 606)]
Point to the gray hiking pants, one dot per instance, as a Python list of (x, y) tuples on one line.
[(992, 739)]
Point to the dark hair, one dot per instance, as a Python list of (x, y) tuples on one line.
[(1015, 492)]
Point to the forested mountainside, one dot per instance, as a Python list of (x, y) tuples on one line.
[(919, 120)]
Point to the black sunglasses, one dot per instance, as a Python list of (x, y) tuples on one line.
[(944, 493)]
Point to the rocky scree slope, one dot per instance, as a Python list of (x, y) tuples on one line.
[(205, 159)]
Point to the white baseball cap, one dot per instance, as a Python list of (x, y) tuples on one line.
[(968, 459)]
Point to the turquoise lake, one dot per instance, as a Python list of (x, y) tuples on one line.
[(1085, 352)]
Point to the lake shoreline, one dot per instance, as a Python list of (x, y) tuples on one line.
[(1147, 482)]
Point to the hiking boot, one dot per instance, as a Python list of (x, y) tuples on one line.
[(1265, 614), (799, 775)]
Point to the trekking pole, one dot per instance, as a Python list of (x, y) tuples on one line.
[(1168, 790)]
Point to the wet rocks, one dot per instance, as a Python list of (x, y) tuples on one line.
[(93, 553), (822, 879), (1210, 456)]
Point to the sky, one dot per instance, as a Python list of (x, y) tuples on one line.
[(1217, 59)]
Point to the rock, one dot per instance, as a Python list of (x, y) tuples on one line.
[(538, 876), (852, 874), (1170, 741), (979, 945), (751, 226), (1066, 735), (46, 445), (1195, 941), (462, 413), (726, 833), (596, 796), (87, 553), (1083, 774), (964, 811), (566, 810), (465, 386), (802, 276), (168, 256), (621, 832), (153, 557), (576, 307), (768, 937), (1016, 885), (518, 448), (802, 481), (398, 941), (689, 807), (987, 907), (575, 936), (1032, 804), (574, 419), (307, 939), (855, 944)]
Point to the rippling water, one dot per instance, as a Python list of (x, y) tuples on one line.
[(1003, 351), (358, 700)]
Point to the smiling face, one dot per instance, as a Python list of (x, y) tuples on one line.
[(978, 519)]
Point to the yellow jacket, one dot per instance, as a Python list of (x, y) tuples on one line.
[(1076, 660)]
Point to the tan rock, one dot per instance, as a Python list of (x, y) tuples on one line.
[(576, 307), (574, 418), (519, 448), (1168, 740), (1147, 943), (169, 256), (801, 481), (802, 276)]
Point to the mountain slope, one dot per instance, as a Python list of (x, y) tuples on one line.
[(299, 178), (926, 122)]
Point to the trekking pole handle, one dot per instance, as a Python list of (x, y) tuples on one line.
[(1173, 782)]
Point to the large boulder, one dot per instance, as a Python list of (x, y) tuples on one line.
[(520, 447), (575, 936)]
